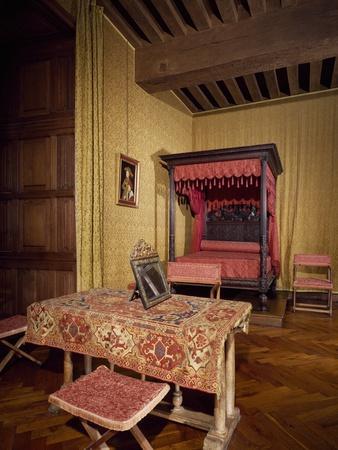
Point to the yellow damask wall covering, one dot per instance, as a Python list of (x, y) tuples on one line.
[(305, 130), (306, 133), (143, 127)]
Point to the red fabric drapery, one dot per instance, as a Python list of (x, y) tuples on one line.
[(197, 205), (273, 240), (218, 169), (225, 182)]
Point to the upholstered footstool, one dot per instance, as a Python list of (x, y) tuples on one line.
[(110, 400)]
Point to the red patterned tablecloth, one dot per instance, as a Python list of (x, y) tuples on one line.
[(180, 340)]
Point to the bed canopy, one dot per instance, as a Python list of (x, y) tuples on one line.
[(219, 182), (209, 186)]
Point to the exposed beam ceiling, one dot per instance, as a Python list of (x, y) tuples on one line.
[(219, 53)]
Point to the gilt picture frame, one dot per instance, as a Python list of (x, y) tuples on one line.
[(128, 181)]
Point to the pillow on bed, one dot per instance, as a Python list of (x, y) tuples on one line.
[(230, 246)]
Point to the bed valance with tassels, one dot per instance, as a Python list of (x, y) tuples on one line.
[(239, 172), (223, 183)]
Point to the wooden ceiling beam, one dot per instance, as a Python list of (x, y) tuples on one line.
[(171, 17), (145, 20), (334, 81), (217, 94), (199, 96), (272, 83), (198, 13), (187, 102), (315, 74), (55, 13), (253, 87), (257, 7), (265, 42), (293, 80), (287, 3), (118, 20), (227, 10), (235, 91)]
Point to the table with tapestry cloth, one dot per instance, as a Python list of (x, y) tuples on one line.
[(181, 340)]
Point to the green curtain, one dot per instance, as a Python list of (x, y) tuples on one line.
[(89, 145)]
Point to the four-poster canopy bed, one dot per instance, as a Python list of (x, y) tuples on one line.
[(232, 195)]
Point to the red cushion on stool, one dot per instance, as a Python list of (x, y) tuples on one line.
[(182, 272), (12, 325), (110, 399)]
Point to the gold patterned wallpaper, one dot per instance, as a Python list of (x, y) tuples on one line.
[(305, 130), (141, 126)]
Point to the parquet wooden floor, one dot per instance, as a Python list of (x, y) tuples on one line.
[(286, 389)]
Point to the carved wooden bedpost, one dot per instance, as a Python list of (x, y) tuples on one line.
[(263, 282), (171, 215)]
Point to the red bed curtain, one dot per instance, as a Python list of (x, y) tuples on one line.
[(234, 180)]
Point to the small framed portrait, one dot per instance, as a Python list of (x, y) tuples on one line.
[(128, 181)]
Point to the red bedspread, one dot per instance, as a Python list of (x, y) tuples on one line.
[(234, 264)]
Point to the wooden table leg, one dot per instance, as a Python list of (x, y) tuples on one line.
[(177, 398), (88, 366), (67, 378), (226, 416), (67, 368), (220, 407), (230, 375)]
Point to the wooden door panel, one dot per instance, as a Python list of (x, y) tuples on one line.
[(9, 87), (65, 225), (38, 164), (35, 88), (37, 217), (8, 167), (26, 289), (35, 285), (45, 284), (8, 291), (37, 225), (8, 225), (65, 282), (63, 83), (65, 161)]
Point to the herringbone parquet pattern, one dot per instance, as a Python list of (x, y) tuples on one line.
[(287, 391)]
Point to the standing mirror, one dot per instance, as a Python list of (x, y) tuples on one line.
[(151, 283)]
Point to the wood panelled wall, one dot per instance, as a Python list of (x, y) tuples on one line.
[(37, 219)]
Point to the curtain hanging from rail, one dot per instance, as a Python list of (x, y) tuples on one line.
[(89, 145)]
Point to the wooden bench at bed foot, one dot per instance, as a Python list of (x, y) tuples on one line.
[(196, 274)]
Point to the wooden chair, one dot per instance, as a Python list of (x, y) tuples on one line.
[(313, 283), (111, 400), (196, 273), (15, 325)]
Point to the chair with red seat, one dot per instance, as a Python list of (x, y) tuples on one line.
[(15, 325), (313, 282)]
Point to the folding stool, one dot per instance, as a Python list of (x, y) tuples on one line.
[(111, 400), (10, 327)]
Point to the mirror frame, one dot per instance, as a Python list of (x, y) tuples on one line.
[(137, 265)]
